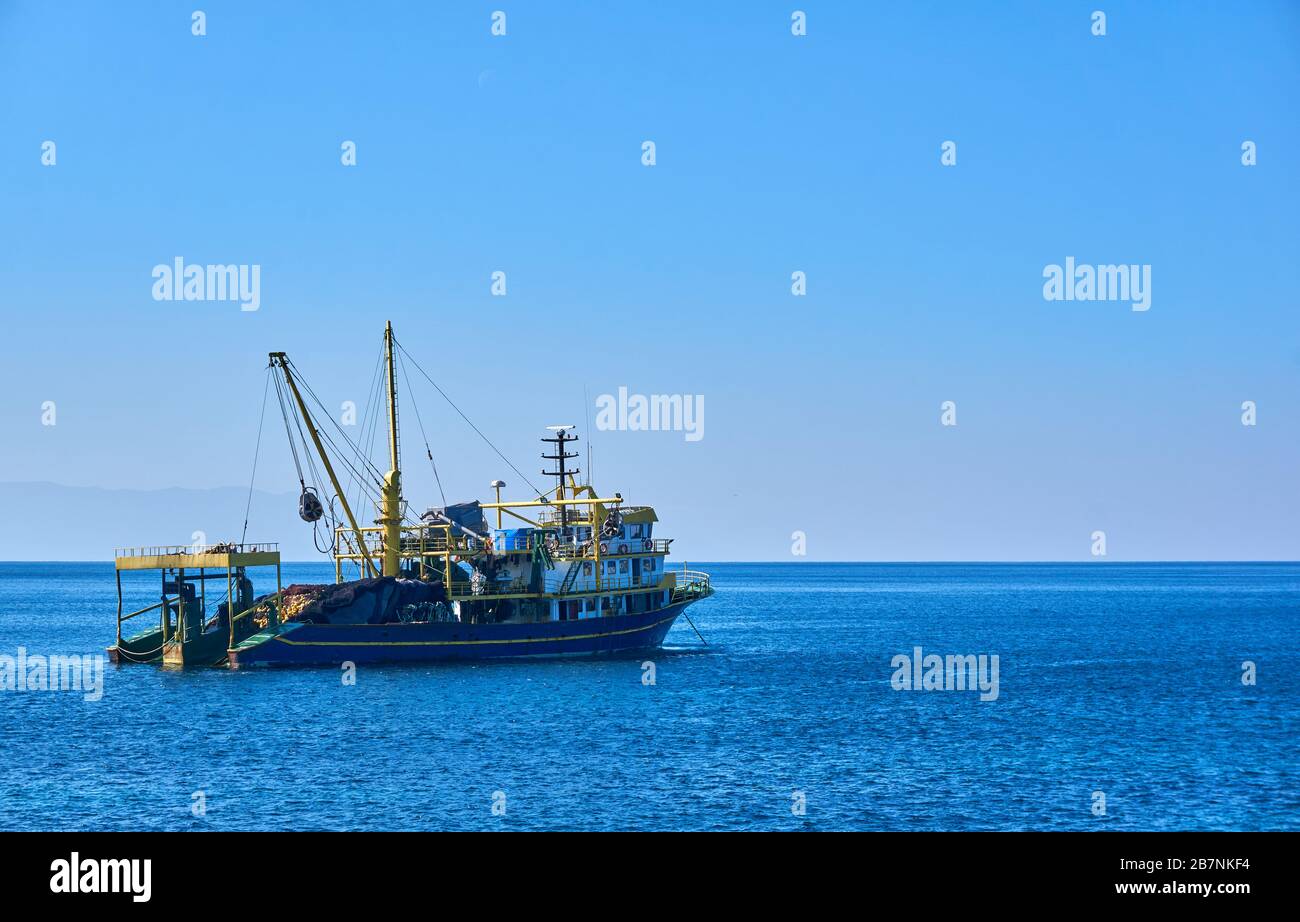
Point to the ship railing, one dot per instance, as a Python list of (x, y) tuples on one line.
[(552, 585), (417, 540), (514, 587), (172, 550), (615, 583), (635, 548), (440, 544), (576, 516), (514, 543), (571, 550), (579, 515), (436, 540), (691, 584)]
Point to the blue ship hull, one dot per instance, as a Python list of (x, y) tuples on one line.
[(326, 644)]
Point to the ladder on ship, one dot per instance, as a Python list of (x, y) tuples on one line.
[(571, 577)]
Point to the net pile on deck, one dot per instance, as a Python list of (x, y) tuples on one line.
[(383, 600)]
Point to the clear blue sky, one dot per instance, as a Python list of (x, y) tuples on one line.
[(775, 153)]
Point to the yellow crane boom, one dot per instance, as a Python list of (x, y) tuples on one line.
[(280, 360)]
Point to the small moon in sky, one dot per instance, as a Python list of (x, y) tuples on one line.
[(484, 77)]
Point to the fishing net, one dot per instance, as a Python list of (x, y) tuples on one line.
[(383, 600)]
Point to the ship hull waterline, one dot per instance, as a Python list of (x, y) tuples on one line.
[(325, 644)]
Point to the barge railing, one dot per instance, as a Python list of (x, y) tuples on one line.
[(187, 565)]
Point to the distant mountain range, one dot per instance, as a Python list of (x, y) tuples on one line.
[(49, 521)]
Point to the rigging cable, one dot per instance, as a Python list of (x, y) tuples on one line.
[(288, 431), (693, 627), (410, 390), (366, 434), (466, 418), (294, 418), (266, 390), (327, 517), (366, 423), (297, 423), (376, 474)]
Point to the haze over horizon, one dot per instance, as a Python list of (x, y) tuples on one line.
[(183, 515)]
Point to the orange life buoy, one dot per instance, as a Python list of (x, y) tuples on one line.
[(604, 548), (648, 544), (622, 548)]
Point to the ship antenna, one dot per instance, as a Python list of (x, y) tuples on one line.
[(586, 407), (561, 439)]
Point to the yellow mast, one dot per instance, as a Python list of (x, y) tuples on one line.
[(390, 513), (279, 358)]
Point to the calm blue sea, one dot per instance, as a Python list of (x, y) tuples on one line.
[(1113, 678)]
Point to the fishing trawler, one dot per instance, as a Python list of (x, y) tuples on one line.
[(575, 573)]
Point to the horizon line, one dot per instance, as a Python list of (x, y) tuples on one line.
[(863, 562)]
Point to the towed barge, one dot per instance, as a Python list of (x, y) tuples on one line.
[(577, 573)]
